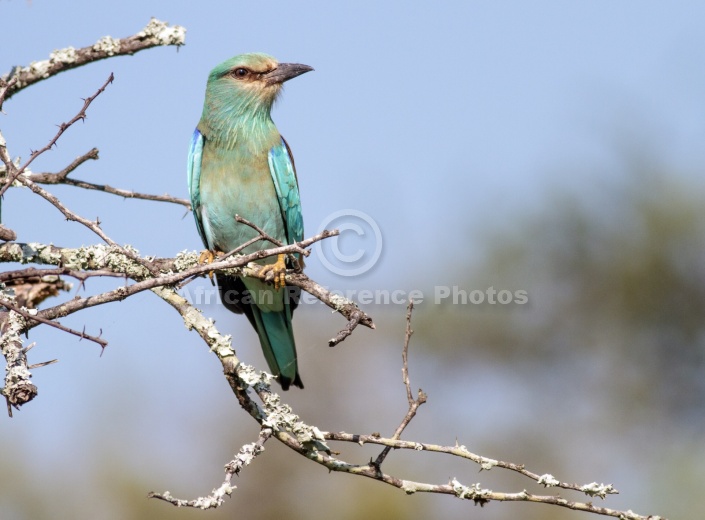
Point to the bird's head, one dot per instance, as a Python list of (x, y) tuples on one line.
[(249, 82)]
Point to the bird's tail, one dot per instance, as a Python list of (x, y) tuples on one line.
[(277, 339), (274, 328)]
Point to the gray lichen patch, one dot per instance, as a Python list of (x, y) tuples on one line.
[(107, 45), (164, 34)]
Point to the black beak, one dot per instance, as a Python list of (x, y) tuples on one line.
[(285, 72)]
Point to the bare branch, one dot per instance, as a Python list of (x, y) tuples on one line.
[(93, 226), (244, 457), (61, 177), (344, 306), (30, 317), (354, 320), (14, 173), (309, 441), (413, 403), (32, 274), (127, 194), (263, 235), (43, 364)]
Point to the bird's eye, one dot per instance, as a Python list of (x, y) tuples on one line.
[(240, 72)]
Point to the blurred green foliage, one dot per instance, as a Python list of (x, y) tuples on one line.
[(615, 277)]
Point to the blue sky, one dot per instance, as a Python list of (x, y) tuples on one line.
[(436, 120), (459, 112)]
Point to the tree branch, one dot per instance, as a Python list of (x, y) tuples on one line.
[(309, 441), (172, 272), (61, 177), (244, 457), (156, 33), (14, 173), (414, 404), (18, 389), (30, 317)]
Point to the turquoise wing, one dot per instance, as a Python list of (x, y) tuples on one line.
[(195, 154), (281, 166)]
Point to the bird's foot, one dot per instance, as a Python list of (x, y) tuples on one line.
[(208, 257), (275, 272)]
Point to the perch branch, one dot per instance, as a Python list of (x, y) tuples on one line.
[(173, 271)]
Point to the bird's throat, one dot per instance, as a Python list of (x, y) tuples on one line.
[(230, 121)]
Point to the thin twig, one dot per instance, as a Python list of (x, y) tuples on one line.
[(12, 175), (60, 176), (405, 357), (33, 272), (413, 403), (244, 458), (456, 451), (42, 364), (263, 235), (127, 193), (354, 320), (35, 317), (93, 226)]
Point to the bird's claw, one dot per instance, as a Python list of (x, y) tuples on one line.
[(208, 257), (275, 272)]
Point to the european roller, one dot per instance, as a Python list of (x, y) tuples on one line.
[(239, 164)]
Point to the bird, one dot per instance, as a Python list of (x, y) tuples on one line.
[(240, 166)]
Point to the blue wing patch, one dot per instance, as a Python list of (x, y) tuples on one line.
[(281, 166), (193, 171)]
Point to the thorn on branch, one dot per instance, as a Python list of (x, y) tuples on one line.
[(43, 364)]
